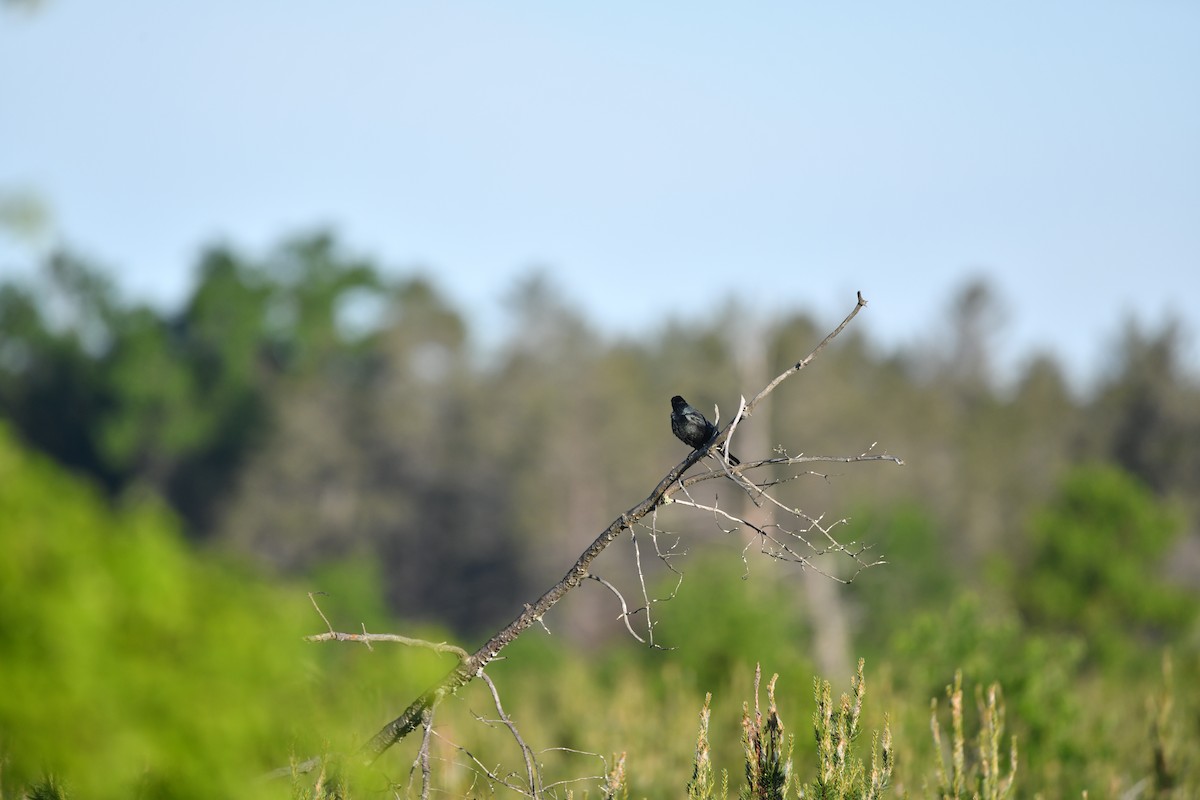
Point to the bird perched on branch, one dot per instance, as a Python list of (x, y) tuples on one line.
[(691, 427)]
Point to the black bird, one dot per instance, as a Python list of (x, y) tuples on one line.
[(691, 427)]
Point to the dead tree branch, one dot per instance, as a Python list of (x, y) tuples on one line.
[(777, 542), (367, 638), (472, 666)]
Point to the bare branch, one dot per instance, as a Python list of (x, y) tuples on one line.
[(312, 599), (291, 770), (664, 556), (422, 760), (530, 764), (472, 666), (607, 779), (625, 612), (637, 558), (741, 413), (367, 638), (748, 408), (804, 362), (492, 774)]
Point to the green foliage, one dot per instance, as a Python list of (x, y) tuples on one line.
[(129, 664), (983, 776), (914, 580), (125, 663), (51, 387), (351, 589), (329, 783), (767, 750), (985, 643), (1096, 550), (973, 761), (1144, 414), (1174, 725), (702, 786), (615, 786), (718, 627), (46, 789), (841, 774), (173, 402), (136, 665)]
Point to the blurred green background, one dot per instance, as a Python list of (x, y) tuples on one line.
[(173, 483), (211, 408)]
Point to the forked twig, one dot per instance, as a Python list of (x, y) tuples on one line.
[(531, 769)]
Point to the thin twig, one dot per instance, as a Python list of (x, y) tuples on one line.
[(637, 559), (804, 362), (530, 766), (367, 638), (312, 599), (491, 774), (625, 612)]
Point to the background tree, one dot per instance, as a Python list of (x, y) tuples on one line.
[(1096, 548), (1146, 412), (341, 423), (52, 386)]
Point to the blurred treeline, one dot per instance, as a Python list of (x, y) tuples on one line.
[(344, 429)]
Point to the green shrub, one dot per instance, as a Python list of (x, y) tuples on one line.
[(1095, 566), (131, 664)]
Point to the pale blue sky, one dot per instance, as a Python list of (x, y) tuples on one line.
[(655, 157)]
